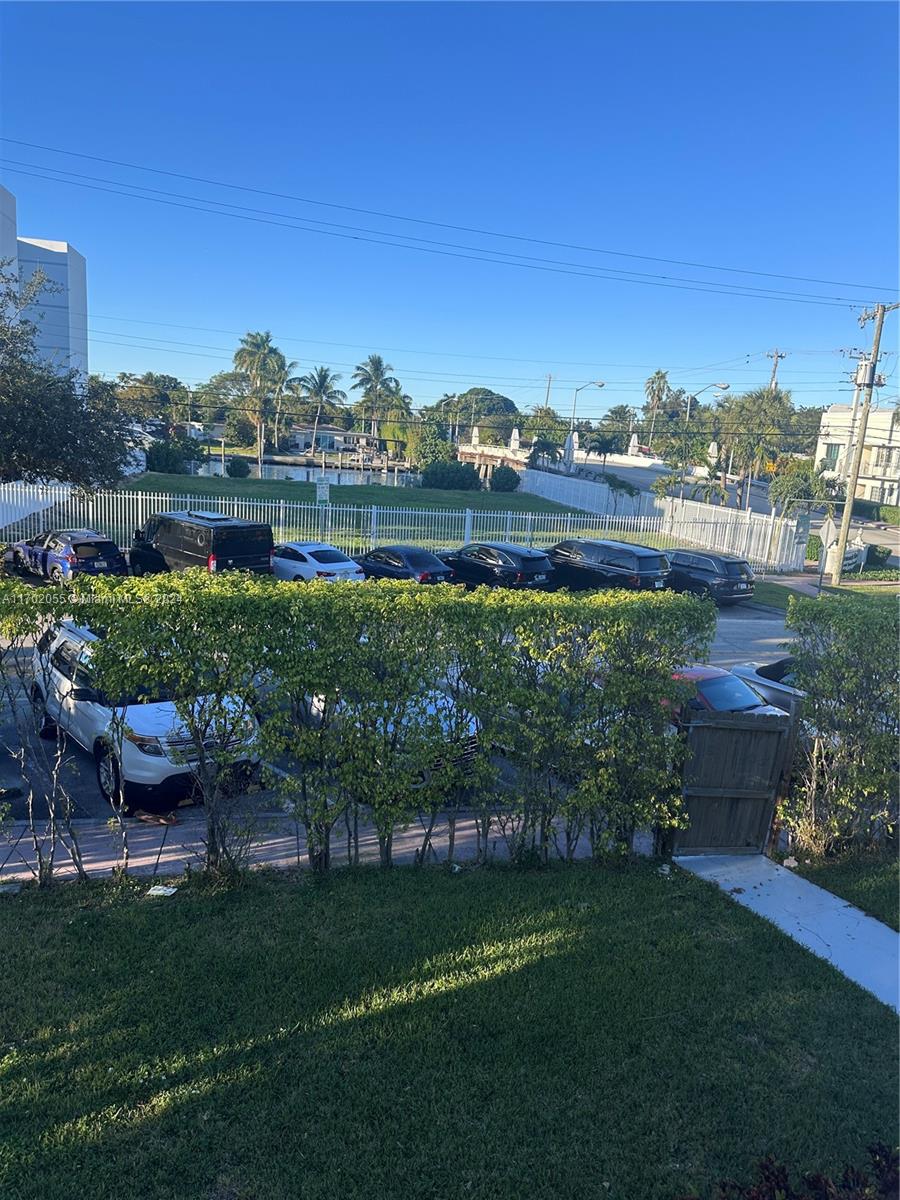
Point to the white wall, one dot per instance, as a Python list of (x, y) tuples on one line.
[(61, 315), (8, 245)]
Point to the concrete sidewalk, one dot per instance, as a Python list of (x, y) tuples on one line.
[(857, 945)]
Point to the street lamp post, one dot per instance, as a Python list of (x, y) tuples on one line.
[(591, 383), (723, 387)]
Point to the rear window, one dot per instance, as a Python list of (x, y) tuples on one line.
[(738, 570), (255, 539), (727, 693), (421, 558), (328, 556), (96, 550), (540, 563), (653, 562)]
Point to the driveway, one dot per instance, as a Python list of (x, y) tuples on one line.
[(747, 635)]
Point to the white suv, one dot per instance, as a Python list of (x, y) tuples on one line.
[(141, 748)]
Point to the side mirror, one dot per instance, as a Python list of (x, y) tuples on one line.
[(138, 535)]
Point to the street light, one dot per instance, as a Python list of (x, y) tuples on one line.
[(723, 387), (591, 383)]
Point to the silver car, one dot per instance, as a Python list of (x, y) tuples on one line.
[(775, 682)]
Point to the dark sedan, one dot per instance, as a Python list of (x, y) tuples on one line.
[(500, 564), (404, 562), (583, 563)]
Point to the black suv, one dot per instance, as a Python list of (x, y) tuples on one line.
[(724, 577), (580, 563), (499, 564), (175, 541)]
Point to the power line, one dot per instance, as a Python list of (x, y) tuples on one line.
[(478, 254), (436, 224)]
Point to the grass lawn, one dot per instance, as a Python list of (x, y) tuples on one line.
[(365, 494), (776, 595), (870, 881), (487, 1034)]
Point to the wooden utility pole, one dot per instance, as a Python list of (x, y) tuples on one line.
[(871, 366), (775, 355), (547, 400)]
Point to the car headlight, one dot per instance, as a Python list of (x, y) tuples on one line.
[(146, 744)]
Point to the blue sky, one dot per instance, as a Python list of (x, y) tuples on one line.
[(742, 135)]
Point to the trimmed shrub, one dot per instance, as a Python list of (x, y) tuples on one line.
[(505, 479), (877, 556), (237, 468), (451, 476), (814, 547), (172, 456), (845, 786)]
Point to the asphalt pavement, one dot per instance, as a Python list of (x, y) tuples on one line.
[(747, 634)]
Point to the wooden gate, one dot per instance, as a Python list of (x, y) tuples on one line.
[(734, 767)]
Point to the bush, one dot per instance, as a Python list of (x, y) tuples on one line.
[(451, 476), (368, 687), (814, 547), (877, 556), (773, 1182), (872, 510), (845, 789), (237, 468), (505, 479), (171, 456)]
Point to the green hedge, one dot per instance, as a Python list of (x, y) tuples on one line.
[(364, 688), (451, 476), (845, 791), (872, 510)]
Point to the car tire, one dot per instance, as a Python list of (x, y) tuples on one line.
[(137, 570), (299, 579), (57, 577), (109, 778), (47, 727)]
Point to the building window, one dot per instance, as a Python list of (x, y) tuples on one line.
[(832, 453)]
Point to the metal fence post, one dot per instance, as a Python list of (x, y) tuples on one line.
[(373, 527), (467, 527)]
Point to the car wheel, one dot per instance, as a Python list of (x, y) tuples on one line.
[(299, 579), (109, 777), (137, 570), (56, 576), (46, 726)]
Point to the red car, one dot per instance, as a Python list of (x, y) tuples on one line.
[(720, 691)]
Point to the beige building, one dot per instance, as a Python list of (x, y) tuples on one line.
[(879, 473)]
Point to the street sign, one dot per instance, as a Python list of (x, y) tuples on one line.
[(322, 488), (828, 533)]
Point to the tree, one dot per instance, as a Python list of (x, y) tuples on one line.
[(398, 420), (171, 455), (431, 446), (494, 414), (545, 423), (709, 490), (320, 386), (799, 483), (53, 425), (603, 444), (237, 468), (505, 479), (543, 451), (152, 396), (374, 380), (239, 429), (619, 422), (655, 389), (262, 363)]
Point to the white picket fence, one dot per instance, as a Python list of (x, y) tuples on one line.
[(26, 510)]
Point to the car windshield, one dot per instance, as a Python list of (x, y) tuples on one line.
[(727, 693), (652, 562), (738, 570), (328, 556), (95, 550)]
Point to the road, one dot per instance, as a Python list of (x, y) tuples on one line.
[(747, 635)]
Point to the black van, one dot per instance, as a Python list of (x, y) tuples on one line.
[(177, 540)]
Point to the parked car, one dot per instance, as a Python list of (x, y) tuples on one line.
[(139, 741), (314, 560), (583, 563), (404, 562), (720, 691), (61, 554), (774, 681), (175, 541), (499, 564), (723, 577)]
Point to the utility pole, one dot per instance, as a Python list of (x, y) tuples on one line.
[(871, 367), (547, 398), (858, 381), (775, 355)]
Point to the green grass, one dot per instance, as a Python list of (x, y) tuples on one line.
[(364, 494), (487, 1035), (777, 595), (870, 881)]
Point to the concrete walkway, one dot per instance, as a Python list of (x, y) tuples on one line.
[(860, 947)]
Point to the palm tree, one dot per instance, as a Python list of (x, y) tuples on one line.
[(655, 389), (374, 380), (261, 361), (543, 448), (320, 386), (709, 490), (282, 377), (602, 444)]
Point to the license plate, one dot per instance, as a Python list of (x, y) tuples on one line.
[(99, 562), (657, 583), (539, 578), (742, 587)]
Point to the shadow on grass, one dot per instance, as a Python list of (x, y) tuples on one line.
[(488, 1034)]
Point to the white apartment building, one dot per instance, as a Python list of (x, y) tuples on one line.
[(879, 473), (60, 315)]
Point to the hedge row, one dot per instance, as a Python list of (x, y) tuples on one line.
[(388, 702)]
